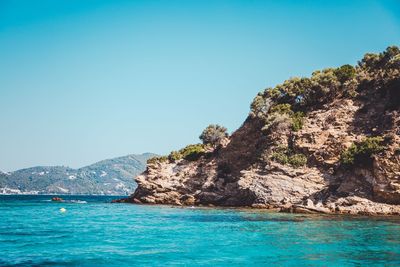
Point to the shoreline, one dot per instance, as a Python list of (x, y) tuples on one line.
[(60, 195), (293, 209)]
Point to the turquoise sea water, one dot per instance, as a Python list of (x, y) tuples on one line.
[(33, 232)]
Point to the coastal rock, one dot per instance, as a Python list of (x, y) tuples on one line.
[(250, 169)]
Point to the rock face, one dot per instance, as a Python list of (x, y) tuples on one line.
[(245, 170)]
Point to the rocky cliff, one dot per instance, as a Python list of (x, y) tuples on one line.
[(327, 143)]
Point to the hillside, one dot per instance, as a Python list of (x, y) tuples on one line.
[(326, 143), (107, 177)]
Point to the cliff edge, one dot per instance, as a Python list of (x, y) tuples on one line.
[(327, 143)]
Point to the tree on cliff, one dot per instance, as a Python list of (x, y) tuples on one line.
[(213, 135)]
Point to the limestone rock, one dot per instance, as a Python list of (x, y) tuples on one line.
[(242, 172)]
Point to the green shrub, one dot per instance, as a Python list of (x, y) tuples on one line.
[(390, 53), (297, 160), (174, 156), (192, 152), (292, 90), (297, 118), (298, 94), (280, 157), (282, 109), (213, 135), (158, 159), (345, 72), (395, 61), (304, 94), (286, 156), (273, 93), (297, 121), (361, 153), (260, 105), (324, 87), (388, 58)]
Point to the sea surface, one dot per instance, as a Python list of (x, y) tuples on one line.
[(94, 232)]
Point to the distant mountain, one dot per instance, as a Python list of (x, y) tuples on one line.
[(107, 177)]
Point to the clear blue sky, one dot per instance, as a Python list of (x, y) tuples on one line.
[(82, 81)]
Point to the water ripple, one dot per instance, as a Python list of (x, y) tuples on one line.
[(34, 233)]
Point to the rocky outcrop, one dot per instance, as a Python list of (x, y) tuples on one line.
[(247, 171)]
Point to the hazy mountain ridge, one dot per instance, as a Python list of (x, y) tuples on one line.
[(107, 177)]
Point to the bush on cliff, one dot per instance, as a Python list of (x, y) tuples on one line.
[(297, 160), (297, 121), (345, 72), (284, 112), (286, 156), (261, 104), (301, 94), (361, 153), (190, 152), (174, 156), (282, 109), (390, 58), (305, 94), (158, 159), (213, 135)]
